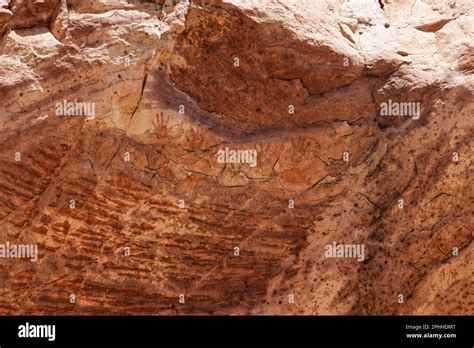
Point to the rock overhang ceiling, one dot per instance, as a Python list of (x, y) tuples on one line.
[(359, 113)]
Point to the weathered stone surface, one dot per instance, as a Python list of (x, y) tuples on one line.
[(173, 82)]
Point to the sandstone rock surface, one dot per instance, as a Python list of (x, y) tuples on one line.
[(131, 210)]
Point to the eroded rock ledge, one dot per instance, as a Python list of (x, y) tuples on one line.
[(131, 210)]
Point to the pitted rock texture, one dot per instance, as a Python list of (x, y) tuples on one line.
[(131, 209)]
